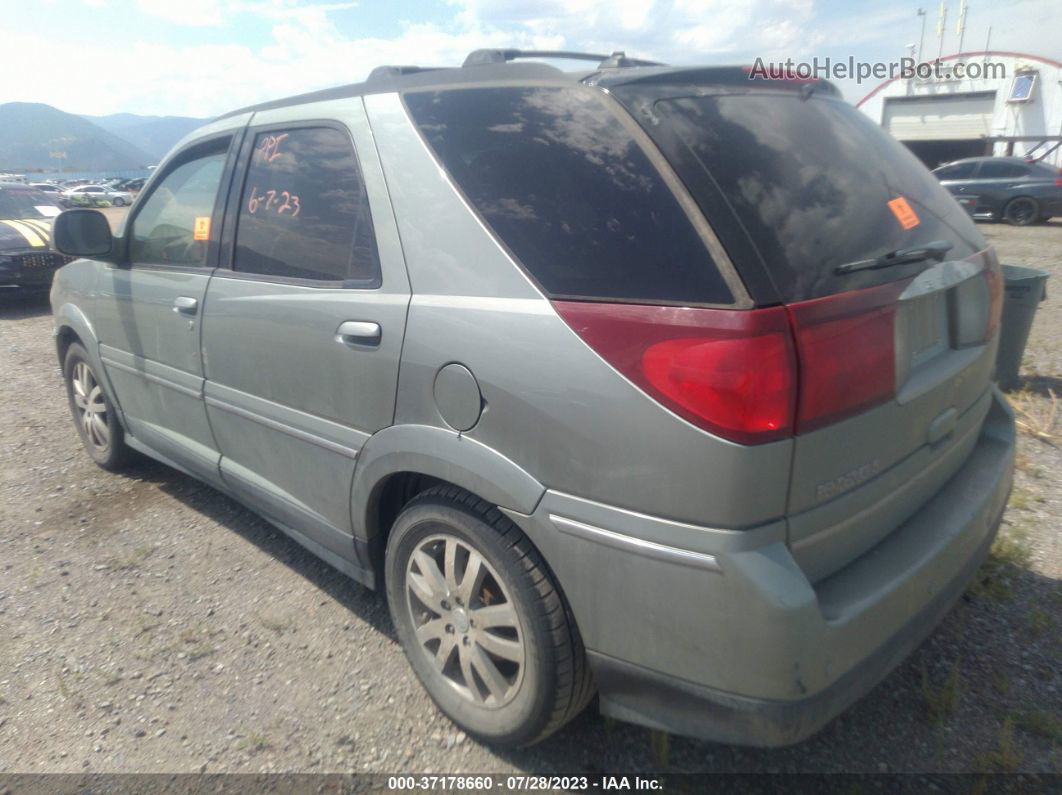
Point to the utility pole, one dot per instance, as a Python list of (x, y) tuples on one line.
[(961, 28), (922, 36), (942, 19)]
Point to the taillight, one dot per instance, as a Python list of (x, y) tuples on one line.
[(994, 277), (1058, 179), (730, 372), (735, 373), (845, 344)]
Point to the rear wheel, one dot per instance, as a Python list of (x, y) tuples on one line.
[(119, 201), (94, 416), (481, 622), (1021, 211)]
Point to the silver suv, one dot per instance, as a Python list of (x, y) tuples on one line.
[(662, 383)]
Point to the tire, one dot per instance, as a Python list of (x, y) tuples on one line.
[(1021, 211), (94, 416), (529, 674), (118, 201)]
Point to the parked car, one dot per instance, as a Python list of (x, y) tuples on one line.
[(662, 382), (1005, 188), (54, 193), (93, 194), (27, 258), (46, 187)]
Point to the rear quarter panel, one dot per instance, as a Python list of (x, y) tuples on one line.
[(551, 404)]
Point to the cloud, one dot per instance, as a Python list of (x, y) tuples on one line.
[(306, 50), (194, 13)]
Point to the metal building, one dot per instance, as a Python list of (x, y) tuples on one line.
[(1014, 108)]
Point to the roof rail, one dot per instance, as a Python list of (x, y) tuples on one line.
[(616, 59), (384, 72)]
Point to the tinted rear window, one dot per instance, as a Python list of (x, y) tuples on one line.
[(810, 180), (564, 185)]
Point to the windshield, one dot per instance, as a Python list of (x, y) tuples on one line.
[(18, 203), (815, 184)]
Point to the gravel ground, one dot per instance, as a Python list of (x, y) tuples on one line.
[(148, 623)]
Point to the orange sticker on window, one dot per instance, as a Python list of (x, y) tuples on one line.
[(904, 213), (202, 228)]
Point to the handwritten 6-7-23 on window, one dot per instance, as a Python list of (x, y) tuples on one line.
[(285, 202)]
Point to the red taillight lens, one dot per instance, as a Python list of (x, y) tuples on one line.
[(742, 387), (994, 277), (845, 344), (1058, 179), (730, 372)]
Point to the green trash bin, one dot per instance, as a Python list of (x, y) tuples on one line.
[(1023, 290)]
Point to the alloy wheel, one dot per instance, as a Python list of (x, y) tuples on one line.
[(91, 407), (1021, 211), (465, 622)]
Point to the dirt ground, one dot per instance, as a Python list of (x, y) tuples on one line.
[(148, 623)]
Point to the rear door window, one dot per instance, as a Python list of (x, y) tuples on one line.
[(958, 171), (993, 170), (564, 185), (304, 213), (810, 181)]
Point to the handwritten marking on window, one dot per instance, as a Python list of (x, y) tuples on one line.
[(269, 148), (284, 201)]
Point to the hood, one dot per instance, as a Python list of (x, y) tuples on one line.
[(34, 234)]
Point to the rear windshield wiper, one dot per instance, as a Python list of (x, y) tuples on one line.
[(934, 250)]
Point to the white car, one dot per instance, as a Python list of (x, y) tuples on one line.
[(98, 193)]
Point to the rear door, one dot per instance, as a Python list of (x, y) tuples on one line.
[(149, 309), (896, 357), (996, 182), (303, 327)]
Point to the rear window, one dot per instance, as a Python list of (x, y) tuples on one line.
[(20, 203), (565, 187), (811, 180)]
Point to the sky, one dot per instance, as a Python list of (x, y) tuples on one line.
[(204, 57)]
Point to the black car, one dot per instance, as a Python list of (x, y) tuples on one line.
[(1004, 188), (27, 258)]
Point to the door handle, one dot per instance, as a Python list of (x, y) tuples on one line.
[(358, 332), (185, 305)]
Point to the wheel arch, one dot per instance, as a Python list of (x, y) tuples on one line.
[(401, 461), (72, 325), (1037, 203)]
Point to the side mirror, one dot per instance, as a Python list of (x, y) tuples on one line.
[(83, 233)]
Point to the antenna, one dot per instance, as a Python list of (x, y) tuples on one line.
[(961, 27), (942, 19)]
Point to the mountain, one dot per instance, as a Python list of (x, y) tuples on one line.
[(155, 135), (38, 136)]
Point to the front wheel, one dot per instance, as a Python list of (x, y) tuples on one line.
[(1021, 211), (481, 621), (119, 201), (99, 429)]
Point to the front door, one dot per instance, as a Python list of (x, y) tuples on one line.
[(149, 308), (303, 330)]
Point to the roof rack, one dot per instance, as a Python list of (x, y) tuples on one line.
[(615, 60), (383, 72)]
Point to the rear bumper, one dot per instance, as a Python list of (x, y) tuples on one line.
[(639, 695), (720, 635)]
